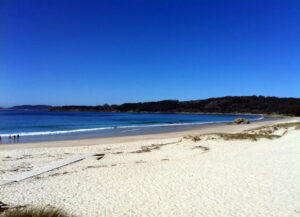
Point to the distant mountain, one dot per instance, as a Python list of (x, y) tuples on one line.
[(31, 107), (228, 104)]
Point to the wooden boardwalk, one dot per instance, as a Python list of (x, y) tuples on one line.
[(56, 165)]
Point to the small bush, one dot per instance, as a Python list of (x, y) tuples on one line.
[(196, 138), (34, 212), (193, 138)]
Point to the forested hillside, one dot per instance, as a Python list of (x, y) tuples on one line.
[(229, 104)]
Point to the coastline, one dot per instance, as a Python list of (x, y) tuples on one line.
[(121, 124), (206, 128)]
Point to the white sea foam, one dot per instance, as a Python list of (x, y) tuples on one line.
[(56, 132), (257, 119), (41, 133)]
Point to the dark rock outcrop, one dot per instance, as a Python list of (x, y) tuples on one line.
[(241, 121)]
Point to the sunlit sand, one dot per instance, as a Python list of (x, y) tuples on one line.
[(198, 172)]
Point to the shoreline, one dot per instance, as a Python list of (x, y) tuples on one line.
[(206, 128), (172, 123), (82, 131)]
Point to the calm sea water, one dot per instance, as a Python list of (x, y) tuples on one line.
[(45, 125)]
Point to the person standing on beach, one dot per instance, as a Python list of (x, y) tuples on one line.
[(0, 139), (9, 138), (18, 138)]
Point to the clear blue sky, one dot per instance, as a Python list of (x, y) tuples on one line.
[(63, 52)]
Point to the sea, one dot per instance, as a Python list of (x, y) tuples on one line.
[(36, 126)]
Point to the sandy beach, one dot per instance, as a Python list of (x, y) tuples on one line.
[(216, 170)]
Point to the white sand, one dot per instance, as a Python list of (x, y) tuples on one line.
[(233, 178)]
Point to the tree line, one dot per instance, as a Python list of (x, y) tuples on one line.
[(228, 104)]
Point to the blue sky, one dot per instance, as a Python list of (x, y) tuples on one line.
[(63, 52)]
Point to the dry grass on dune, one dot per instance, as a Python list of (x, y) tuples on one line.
[(264, 132), (243, 136), (151, 147), (34, 212), (233, 136), (278, 126), (292, 124)]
